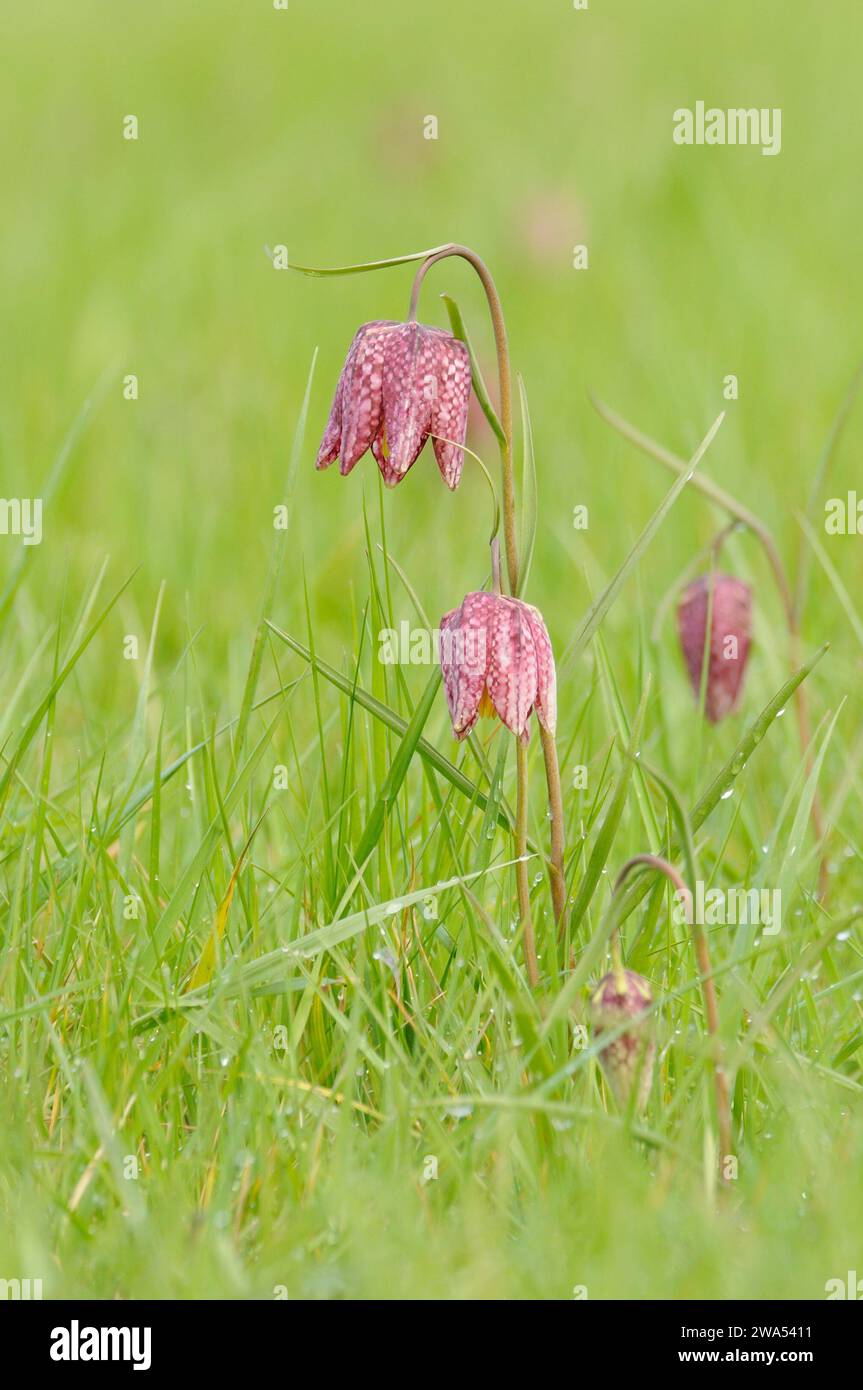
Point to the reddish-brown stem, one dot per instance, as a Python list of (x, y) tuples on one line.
[(511, 547)]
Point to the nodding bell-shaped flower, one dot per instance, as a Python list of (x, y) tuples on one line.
[(401, 382), (730, 639), (496, 658), (623, 997)]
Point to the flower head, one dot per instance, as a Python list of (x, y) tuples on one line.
[(730, 639), (496, 659), (627, 1059), (401, 382)]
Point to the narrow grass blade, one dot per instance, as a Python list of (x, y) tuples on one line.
[(272, 965), (45, 703), (364, 265), (605, 839), (608, 596), (395, 722), (197, 865), (207, 962), (398, 770), (479, 386)]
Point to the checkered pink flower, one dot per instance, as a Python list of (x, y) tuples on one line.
[(496, 659), (730, 639), (401, 382)]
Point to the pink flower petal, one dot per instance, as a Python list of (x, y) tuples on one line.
[(450, 410), (409, 391), (512, 666), (361, 393), (400, 382), (546, 686), (464, 660)]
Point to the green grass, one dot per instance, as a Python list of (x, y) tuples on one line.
[(248, 953)]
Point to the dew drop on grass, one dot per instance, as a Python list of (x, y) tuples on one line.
[(729, 791), (843, 936), (459, 1112)]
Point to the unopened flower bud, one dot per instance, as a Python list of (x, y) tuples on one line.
[(730, 639), (623, 997)]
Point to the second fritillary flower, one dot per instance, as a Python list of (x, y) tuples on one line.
[(496, 659)]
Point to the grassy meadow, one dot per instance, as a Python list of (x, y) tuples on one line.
[(235, 1060)]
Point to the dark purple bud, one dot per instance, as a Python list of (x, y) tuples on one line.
[(623, 997), (730, 639)]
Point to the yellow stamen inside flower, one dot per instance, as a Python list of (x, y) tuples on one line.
[(486, 708), (385, 448)]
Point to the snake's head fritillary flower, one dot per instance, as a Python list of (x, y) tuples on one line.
[(622, 998), (401, 382), (730, 639), (496, 658)]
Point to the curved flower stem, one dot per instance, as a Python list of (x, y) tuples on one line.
[(555, 806), (708, 988), (521, 878), (511, 548), (505, 382)]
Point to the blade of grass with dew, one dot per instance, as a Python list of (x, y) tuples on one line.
[(618, 710), (235, 977), (608, 830), (732, 768), (33, 723), (398, 770), (207, 961), (599, 609), (151, 952), (396, 723)]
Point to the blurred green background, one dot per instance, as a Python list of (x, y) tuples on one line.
[(304, 127)]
